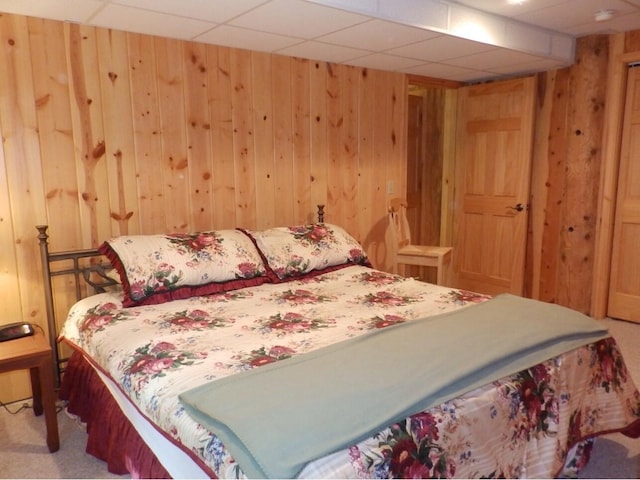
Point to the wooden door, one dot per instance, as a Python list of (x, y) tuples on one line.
[(624, 287), (493, 164)]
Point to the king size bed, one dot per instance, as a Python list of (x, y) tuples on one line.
[(282, 353)]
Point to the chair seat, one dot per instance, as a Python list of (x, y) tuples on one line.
[(426, 256), (424, 250)]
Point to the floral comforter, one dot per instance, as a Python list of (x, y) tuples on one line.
[(523, 425)]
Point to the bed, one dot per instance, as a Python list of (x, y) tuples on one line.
[(283, 353)]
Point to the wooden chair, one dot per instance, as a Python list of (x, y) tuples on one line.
[(409, 254)]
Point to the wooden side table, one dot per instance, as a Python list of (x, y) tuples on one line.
[(34, 353)]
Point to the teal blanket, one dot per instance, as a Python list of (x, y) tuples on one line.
[(276, 418)]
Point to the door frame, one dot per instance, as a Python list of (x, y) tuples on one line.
[(448, 168), (611, 146)]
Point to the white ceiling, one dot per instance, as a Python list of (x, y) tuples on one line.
[(464, 40)]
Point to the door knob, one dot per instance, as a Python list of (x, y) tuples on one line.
[(518, 207)]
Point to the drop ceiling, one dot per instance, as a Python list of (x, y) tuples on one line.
[(464, 40)]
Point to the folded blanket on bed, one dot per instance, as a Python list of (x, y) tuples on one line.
[(276, 418)]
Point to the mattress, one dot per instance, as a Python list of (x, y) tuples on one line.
[(523, 424)]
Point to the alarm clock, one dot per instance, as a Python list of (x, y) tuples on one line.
[(12, 331)]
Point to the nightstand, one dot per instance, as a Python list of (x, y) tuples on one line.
[(34, 353)]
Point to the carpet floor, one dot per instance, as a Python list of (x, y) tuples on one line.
[(24, 454)]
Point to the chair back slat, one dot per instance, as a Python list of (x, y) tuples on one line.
[(398, 221)]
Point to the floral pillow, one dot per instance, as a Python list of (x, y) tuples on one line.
[(159, 268), (291, 252)]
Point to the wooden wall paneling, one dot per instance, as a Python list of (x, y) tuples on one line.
[(244, 151), (24, 197), (588, 80), (264, 119), (371, 216), (284, 166), (173, 135), (631, 41), (304, 210), (383, 160), (397, 127), (318, 75), (611, 146), (22, 159), (51, 89), (199, 131), (9, 290), (222, 142), (117, 112), (58, 158), (539, 185), (349, 144), (365, 176), (429, 231), (147, 132), (448, 167), (335, 166), (554, 184), (88, 132)]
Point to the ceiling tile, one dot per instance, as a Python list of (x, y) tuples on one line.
[(230, 36), (152, 23), (377, 35), (323, 51), (571, 14), (619, 23), (506, 8), (298, 18), (70, 10), (421, 13), (441, 48), (493, 59), (208, 10), (440, 70), (383, 61)]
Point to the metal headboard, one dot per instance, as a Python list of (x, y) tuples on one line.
[(93, 274)]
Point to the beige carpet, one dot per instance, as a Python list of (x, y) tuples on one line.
[(24, 454)]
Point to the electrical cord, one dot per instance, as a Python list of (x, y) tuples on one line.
[(24, 406), (60, 406)]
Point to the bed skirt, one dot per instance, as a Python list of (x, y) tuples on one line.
[(111, 437)]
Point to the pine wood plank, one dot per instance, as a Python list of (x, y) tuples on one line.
[(51, 89), (318, 134), (88, 132), (335, 121), (174, 162), (243, 144), (349, 148), (198, 135), (585, 128), (281, 91), (264, 120), (119, 139), (222, 145), (304, 211), (147, 133)]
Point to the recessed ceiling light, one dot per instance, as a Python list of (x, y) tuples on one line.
[(604, 15)]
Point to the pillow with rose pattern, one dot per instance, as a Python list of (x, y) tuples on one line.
[(291, 252), (159, 268)]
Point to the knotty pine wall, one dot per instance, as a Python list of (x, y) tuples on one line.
[(108, 133)]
